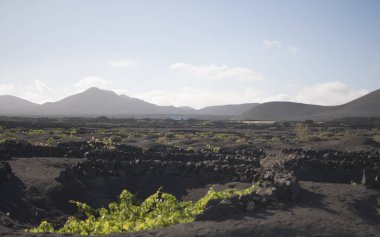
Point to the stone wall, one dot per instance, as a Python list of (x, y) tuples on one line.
[(5, 172), (335, 166)]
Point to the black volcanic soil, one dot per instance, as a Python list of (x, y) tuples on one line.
[(322, 209), (26, 198), (33, 194)]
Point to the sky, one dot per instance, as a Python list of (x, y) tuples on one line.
[(191, 52)]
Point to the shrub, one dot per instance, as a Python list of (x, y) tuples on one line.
[(302, 132), (162, 140), (213, 149)]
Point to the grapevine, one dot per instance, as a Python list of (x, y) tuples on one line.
[(128, 214)]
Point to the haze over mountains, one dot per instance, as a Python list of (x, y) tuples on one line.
[(97, 102)]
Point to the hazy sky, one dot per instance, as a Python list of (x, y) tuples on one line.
[(194, 53)]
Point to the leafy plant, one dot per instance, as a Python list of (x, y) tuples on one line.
[(190, 149), (213, 149), (8, 135), (108, 143), (128, 214), (162, 140), (35, 132), (73, 131)]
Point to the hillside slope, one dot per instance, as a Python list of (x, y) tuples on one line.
[(13, 105), (365, 106)]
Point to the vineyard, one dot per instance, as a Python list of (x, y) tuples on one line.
[(191, 178)]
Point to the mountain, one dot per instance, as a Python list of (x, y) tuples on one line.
[(13, 105), (365, 106), (95, 101), (232, 110)]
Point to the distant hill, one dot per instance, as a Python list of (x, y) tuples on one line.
[(282, 111), (232, 110), (366, 106), (95, 101), (13, 105)]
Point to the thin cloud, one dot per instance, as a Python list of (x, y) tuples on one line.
[(41, 86), (293, 50), (272, 44), (329, 93), (92, 81), (215, 72), (37, 91), (198, 97)]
